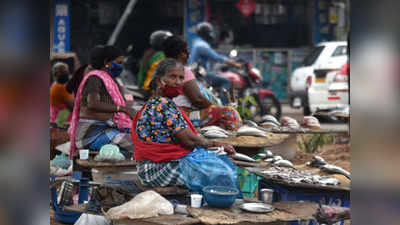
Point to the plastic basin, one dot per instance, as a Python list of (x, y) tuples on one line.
[(220, 196)]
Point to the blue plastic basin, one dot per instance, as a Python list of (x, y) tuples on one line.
[(219, 196)]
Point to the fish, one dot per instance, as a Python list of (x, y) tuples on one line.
[(214, 134), (213, 128), (317, 161), (251, 131), (335, 169), (262, 155), (268, 124), (269, 160), (250, 123), (277, 158), (243, 157), (270, 118), (284, 162), (269, 154)]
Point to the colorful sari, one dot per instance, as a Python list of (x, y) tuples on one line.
[(147, 70), (87, 133)]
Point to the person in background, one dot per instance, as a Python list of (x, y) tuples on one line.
[(101, 115), (75, 81), (151, 58), (199, 109), (162, 133), (60, 99), (203, 53)]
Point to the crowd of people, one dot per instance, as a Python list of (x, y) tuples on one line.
[(165, 130)]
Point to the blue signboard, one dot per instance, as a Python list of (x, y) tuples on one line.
[(61, 26), (195, 12), (323, 29)]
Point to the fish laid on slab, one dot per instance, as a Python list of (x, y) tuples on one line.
[(270, 118), (317, 161), (250, 131), (335, 169), (243, 157), (284, 162), (215, 134), (213, 128)]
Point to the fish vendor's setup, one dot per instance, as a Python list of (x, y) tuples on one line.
[(273, 188)]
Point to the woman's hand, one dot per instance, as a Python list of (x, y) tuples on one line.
[(227, 147)]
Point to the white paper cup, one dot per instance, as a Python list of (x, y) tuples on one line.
[(84, 154), (195, 200)]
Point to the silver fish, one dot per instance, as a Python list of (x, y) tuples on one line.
[(213, 128), (269, 154), (251, 131), (262, 155), (269, 160), (270, 118), (214, 134), (277, 158), (317, 161), (284, 162), (335, 169), (243, 157), (250, 123)]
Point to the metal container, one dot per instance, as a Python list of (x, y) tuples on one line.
[(267, 195)]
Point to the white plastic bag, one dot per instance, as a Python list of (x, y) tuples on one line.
[(89, 219), (144, 205)]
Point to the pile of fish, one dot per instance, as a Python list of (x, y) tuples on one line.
[(289, 122), (320, 163), (269, 121), (214, 132), (311, 122), (275, 160), (299, 176), (246, 130)]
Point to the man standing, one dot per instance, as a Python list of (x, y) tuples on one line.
[(203, 53)]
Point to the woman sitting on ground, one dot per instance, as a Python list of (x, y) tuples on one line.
[(162, 133), (199, 109), (101, 115)]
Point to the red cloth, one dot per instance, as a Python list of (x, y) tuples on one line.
[(158, 152)]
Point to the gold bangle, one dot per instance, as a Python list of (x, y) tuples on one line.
[(117, 108)]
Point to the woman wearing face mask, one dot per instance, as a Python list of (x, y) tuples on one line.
[(195, 104), (60, 99), (100, 113), (162, 133)]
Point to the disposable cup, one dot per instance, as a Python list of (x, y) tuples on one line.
[(84, 154), (195, 200)]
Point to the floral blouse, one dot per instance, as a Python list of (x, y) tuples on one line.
[(159, 121)]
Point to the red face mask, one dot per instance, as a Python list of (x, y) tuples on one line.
[(171, 91)]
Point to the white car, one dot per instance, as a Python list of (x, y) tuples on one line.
[(324, 55), (329, 90)]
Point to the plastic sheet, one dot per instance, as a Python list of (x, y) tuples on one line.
[(144, 205), (109, 152), (202, 168)]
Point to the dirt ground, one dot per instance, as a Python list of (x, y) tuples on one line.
[(336, 154)]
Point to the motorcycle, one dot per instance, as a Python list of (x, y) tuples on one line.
[(247, 94)]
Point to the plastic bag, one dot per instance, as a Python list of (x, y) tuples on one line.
[(144, 205), (89, 219), (109, 152), (202, 168), (61, 161)]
